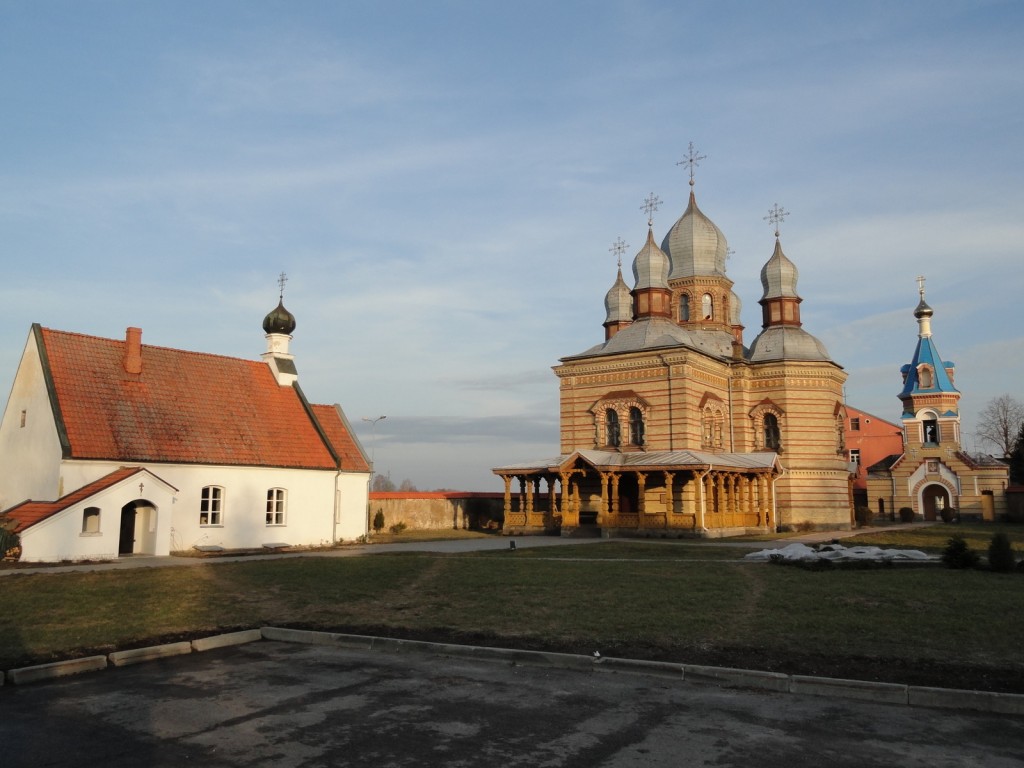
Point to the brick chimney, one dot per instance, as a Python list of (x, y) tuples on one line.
[(133, 351)]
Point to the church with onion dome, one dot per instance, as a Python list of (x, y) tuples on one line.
[(675, 425), (114, 448), (933, 477)]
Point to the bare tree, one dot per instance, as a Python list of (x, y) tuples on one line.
[(999, 422), (382, 483), (407, 485)]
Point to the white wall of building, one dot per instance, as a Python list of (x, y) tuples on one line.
[(61, 537), (353, 498), (310, 510), (31, 453)]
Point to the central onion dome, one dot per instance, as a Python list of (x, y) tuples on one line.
[(279, 320), (695, 245)]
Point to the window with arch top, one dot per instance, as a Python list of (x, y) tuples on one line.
[(772, 435), (611, 423), (707, 306), (636, 426), (684, 308)]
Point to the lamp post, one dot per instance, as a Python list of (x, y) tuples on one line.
[(373, 440)]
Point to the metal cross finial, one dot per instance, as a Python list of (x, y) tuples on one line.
[(618, 248), (775, 216), (920, 286), (281, 280), (692, 159), (729, 252), (651, 203)]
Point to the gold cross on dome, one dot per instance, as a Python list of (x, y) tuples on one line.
[(651, 203), (692, 159), (920, 286), (775, 216), (618, 248)]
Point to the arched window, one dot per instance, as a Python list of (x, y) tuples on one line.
[(276, 504), (707, 307), (684, 308), (636, 426), (924, 377), (91, 520), (211, 505), (711, 427), (611, 423), (772, 436), (930, 427)]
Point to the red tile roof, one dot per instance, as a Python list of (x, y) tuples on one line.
[(29, 513), (338, 431), (184, 407)]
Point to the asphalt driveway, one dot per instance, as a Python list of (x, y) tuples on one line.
[(282, 704)]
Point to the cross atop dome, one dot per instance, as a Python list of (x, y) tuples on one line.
[(651, 203), (618, 248), (692, 160), (281, 280), (775, 216)]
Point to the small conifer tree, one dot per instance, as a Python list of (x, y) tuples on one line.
[(378, 521), (958, 555)]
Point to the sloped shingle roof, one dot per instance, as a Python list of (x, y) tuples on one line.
[(28, 513), (338, 431), (184, 407)]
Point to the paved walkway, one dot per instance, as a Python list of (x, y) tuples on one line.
[(282, 704), (444, 546)]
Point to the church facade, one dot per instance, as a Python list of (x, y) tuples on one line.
[(673, 426), (933, 476)]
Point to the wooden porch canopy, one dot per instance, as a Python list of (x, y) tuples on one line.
[(687, 491)]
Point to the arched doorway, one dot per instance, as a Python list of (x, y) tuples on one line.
[(138, 528), (126, 540), (934, 499)]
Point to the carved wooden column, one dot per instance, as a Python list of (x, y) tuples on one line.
[(670, 496), (641, 502)]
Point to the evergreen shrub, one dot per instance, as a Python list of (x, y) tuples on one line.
[(1000, 554), (958, 555)]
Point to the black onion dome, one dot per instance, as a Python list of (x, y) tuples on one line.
[(280, 320)]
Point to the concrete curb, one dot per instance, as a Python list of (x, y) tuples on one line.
[(138, 655), (56, 669), (225, 640), (883, 693), (864, 690)]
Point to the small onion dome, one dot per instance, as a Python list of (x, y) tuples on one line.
[(618, 302), (735, 309), (650, 267), (280, 320), (923, 310), (779, 276), (695, 245)]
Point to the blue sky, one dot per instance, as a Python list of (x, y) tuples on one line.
[(442, 181)]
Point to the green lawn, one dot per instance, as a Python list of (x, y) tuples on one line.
[(661, 600)]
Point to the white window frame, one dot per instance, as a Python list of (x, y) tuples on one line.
[(211, 506), (277, 507)]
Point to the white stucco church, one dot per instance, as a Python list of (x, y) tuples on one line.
[(110, 448)]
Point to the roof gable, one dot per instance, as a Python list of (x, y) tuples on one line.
[(184, 407), (28, 513)]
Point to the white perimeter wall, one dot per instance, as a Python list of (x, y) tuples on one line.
[(31, 454)]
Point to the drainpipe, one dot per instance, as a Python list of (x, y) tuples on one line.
[(775, 498), (732, 435)]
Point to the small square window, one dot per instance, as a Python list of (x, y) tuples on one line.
[(855, 425), (91, 520)]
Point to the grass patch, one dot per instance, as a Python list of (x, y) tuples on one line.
[(934, 538), (642, 600)]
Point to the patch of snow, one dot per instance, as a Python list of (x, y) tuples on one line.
[(839, 553)]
